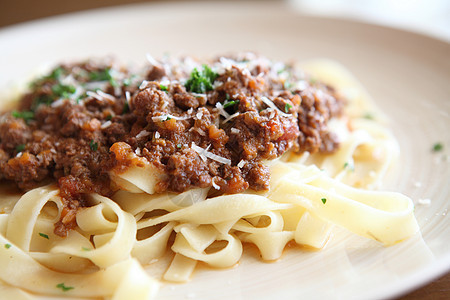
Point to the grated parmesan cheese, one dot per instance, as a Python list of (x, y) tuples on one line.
[(143, 133), (151, 60), (127, 96), (199, 115), (270, 104), (198, 130), (106, 95), (165, 117), (215, 185), (58, 102), (241, 164), (222, 111), (143, 84), (106, 124), (234, 130), (94, 95), (231, 117), (204, 153), (138, 151)]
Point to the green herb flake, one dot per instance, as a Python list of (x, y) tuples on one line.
[(369, 116), (113, 82), (126, 108), (324, 200), (62, 90), (108, 117), (20, 148), (349, 166), (128, 81), (287, 107), (26, 115), (93, 145), (437, 147), (230, 103), (44, 235), (55, 74), (63, 287), (44, 99), (7, 246), (163, 88), (201, 82), (179, 146), (281, 71), (102, 75)]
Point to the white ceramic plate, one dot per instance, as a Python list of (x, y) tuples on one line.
[(407, 74)]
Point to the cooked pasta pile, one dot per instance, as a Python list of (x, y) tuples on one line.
[(117, 237)]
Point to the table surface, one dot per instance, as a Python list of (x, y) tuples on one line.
[(14, 12)]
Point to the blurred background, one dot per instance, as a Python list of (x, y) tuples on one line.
[(430, 17)]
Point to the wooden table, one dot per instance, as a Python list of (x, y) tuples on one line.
[(13, 12)]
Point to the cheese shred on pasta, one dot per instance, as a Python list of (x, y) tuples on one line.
[(117, 237)]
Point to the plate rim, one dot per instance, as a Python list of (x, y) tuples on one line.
[(413, 281)]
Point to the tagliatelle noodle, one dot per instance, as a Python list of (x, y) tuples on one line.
[(387, 217), (21, 266)]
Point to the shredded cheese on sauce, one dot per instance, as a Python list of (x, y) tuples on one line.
[(204, 153)]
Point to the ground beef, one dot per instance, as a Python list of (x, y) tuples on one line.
[(237, 110)]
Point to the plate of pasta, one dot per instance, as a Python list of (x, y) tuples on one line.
[(144, 155)]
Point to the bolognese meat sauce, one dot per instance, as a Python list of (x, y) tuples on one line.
[(203, 125)]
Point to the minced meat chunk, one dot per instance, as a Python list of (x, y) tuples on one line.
[(211, 124)]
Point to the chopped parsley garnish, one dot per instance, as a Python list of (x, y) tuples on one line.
[(63, 287), (93, 145), (55, 74), (44, 99), (324, 200), (166, 119), (103, 75), (62, 90), (129, 81), (126, 108), (7, 246), (230, 103), (20, 148), (26, 115), (287, 107), (44, 235), (163, 88), (201, 82), (349, 166), (438, 147), (108, 117), (126, 82), (179, 146), (369, 116)]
